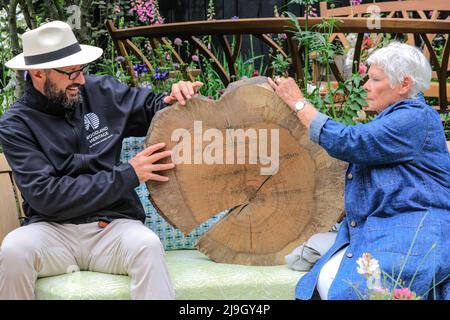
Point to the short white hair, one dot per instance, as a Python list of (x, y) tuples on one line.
[(399, 60)]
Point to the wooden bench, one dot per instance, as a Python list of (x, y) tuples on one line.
[(262, 30), (194, 275), (10, 210), (427, 11)]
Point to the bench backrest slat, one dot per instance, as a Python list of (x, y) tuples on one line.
[(9, 211)]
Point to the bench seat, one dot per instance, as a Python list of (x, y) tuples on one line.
[(193, 274)]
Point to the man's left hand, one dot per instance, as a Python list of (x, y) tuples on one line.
[(182, 91)]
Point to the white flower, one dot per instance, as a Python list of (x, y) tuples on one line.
[(351, 37), (367, 265)]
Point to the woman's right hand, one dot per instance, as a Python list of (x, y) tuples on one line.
[(287, 90)]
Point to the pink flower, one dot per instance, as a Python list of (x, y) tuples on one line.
[(311, 12), (194, 58), (120, 59), (255, 73), (362, 68), (367, 43), (178, 42), (404, 294), (147, 11)]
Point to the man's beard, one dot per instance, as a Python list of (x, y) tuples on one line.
[(59, 97)]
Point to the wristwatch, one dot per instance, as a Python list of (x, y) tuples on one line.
[(299, 106)]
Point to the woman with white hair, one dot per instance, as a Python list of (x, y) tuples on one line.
[(397, 185)]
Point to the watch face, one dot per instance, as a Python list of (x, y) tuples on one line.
[(299, 105)]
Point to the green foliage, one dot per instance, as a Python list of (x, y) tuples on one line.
[(343, 103), (6, 96), (355, 100), (7, 79), (213, 85), (110, 66), (166, 70), (445, 117), (280, 65), (211, 10), (351, 96), (439, 45), (306, 3)]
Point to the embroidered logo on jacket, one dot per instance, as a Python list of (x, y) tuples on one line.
[(91, 120)]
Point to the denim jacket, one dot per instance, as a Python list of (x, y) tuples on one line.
[(397, 200)]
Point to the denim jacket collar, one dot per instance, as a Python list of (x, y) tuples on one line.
[(417, 100)]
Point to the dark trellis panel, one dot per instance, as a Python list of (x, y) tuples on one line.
[(194, 10)]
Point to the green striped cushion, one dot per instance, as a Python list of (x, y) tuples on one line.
[(194, 276)]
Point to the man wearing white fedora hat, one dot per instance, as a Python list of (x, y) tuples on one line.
[(62, 140)]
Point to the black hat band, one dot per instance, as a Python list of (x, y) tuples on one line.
[(54, 55)]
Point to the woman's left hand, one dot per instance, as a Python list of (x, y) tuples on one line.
[(287, 89)]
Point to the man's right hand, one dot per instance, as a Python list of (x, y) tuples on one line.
[(144, 163)]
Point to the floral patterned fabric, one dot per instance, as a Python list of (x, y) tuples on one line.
[(83, 285), (193, 275), (171, 237)]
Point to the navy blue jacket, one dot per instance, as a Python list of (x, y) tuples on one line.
[(67, 162)]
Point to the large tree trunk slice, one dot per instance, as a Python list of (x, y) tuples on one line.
[(271, 214)]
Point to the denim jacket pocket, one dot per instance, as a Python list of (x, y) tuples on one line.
[(379, 176), (403, 238)]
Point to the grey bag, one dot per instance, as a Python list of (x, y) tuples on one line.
[(305, 256)]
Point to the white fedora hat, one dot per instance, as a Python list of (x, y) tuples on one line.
[(52, 45)]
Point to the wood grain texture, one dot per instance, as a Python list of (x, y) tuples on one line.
[(270, 214)]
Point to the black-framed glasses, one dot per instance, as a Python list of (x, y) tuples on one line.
[(73, 74)]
